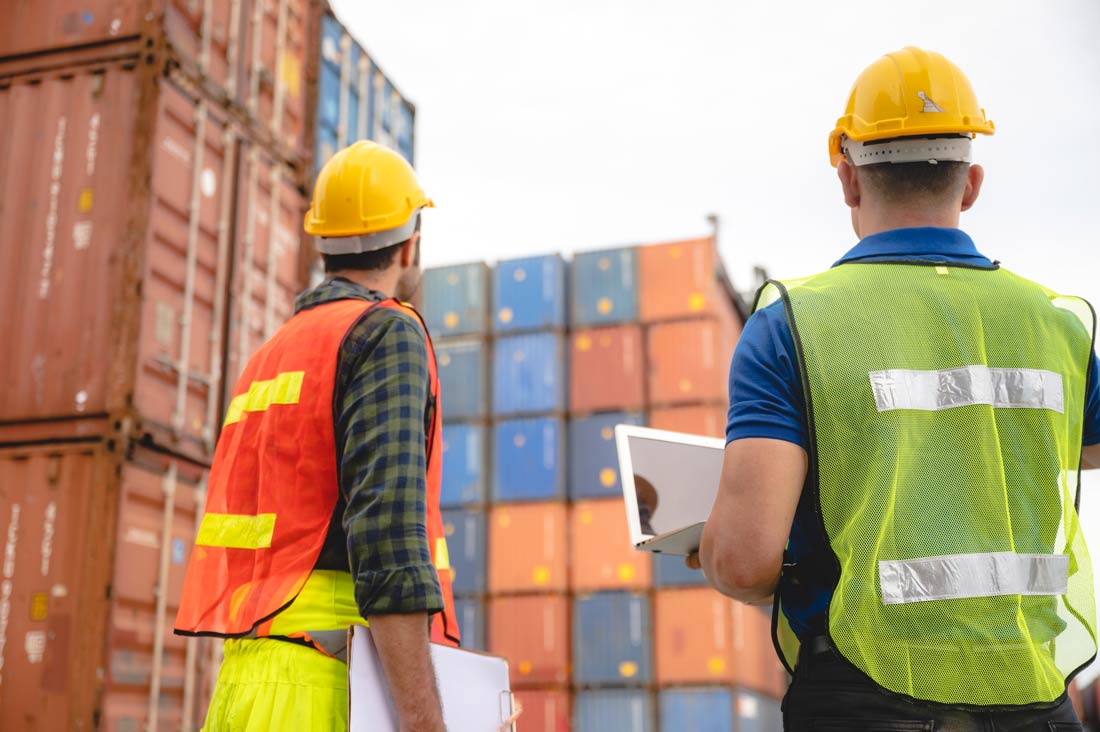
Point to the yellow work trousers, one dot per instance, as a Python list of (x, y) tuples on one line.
[(269, 685)]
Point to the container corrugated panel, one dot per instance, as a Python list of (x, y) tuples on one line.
[(679, 279), (529, 294), (607, 368), (464, 464), (529, 374), (470, 612), (456, 299), (465, 532), (708, 420), (120, 280), (689, 360), (604, 288), (593, 459), (670, 571), (545, 710), (528, 548), (529, 459), (463, 367), (602, 556), (718, 709), (95, 549), (532, 632), (614, 709), (757, 713), (612, 639)]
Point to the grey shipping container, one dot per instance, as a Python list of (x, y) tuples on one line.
[(463, 370), (612, 639), (456, 300), (465, 532), (614, 709), (604, 287), (471, 622), (718, 709)]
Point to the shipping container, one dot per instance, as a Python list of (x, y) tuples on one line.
[(718, 709), (465, 456), (544, 710), (604, 287), (708, 420), (612, 639), (252, 54), (601, 554), (529, 374), (122, 280), (465, 532), (607, 369), (689, 360), (96, 546), (704, 637), (527, 548), (681, 279), (456, 300), (355, 99), (529, 459), (463, 366), (614, 709), (470, 612), (593, 459), (532, 632), (529, 294), (670, 570)]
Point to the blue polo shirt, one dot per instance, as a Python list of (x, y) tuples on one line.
[(766, 399)]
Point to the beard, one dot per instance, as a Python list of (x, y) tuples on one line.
[(408, 284)]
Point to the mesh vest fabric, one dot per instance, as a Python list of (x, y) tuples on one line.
[(979, 479)]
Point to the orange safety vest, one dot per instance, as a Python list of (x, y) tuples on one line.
[(273, 484)]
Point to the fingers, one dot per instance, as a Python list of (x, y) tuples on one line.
[(693, 562)]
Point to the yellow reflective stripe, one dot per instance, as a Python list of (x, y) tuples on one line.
[(235, 531), (442, 557), (286, 388)]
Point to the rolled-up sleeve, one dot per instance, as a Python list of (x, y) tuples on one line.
[(382, 410)]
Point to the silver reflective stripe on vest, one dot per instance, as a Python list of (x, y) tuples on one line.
[(931, 391), (973, 575)]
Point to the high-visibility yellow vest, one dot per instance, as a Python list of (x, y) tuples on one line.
[(946, 406)]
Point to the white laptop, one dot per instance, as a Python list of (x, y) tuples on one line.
[(670, 480)]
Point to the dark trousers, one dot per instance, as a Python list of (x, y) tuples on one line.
[(828, 695)]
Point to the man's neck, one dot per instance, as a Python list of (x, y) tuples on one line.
[(381, 282), (889, 219)]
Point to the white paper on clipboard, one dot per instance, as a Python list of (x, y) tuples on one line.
[(473, 687)]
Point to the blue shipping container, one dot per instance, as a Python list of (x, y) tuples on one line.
[(471, 622), (604, 287), (529, 374), (456, 299), (465, 532), (670, 571), (612, 639), (529, 459), (593, 458), (464, 465), (717, 709), (529, 294), (614, 709), (462, 370)]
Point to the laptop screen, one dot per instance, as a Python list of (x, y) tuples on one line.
[(675, 483)]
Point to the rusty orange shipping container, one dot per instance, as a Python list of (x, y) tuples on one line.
[(128, 186), (254, 53), (708, 420), (95, 544), (544, 710), (681, 279), (601, 555), (704, 637), (532, 632), (527, 548), (607, 369), (689, 360)]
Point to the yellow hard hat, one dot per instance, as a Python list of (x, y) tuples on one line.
[(366, 191), (909, 93)]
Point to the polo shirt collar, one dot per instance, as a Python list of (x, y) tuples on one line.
[(924, 242)]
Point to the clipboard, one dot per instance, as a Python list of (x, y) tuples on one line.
[(473, 688)]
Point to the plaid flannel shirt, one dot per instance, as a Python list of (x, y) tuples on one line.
[(381, 411)]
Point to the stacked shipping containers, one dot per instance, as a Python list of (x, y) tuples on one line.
[(154, 167), (598, 635)]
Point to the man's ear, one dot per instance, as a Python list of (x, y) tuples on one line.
[(849, 182), (408, 250), (975, 176)]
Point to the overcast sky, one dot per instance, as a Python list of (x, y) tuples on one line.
[(577, 124)]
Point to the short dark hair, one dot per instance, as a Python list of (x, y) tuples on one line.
[(377, 260), (898, 182)]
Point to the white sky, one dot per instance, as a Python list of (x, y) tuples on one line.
[(588, 123)]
